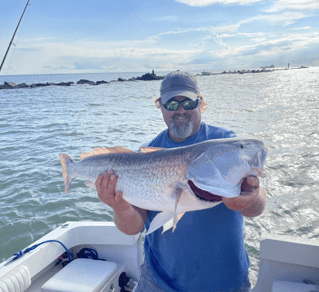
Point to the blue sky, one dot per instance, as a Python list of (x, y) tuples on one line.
[(68, 36)]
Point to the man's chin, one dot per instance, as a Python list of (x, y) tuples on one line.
[(181, 130)]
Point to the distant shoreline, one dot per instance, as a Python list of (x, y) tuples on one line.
[(146, 77), (263, 70)]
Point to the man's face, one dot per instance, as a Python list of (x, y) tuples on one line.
[(182, 123)]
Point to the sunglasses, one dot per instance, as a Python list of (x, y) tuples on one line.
[(188, 104)]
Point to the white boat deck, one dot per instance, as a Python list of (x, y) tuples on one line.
[(284, 261)]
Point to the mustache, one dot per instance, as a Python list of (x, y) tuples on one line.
[(186, 115)]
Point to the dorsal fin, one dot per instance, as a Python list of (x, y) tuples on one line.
[(150, 149), (105, 150)]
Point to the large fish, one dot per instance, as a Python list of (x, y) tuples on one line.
[(169, 180)]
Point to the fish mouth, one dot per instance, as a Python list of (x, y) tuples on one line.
[(258, 161), (204, 195)]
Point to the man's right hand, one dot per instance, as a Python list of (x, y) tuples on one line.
[(128, 218), (106, 190)]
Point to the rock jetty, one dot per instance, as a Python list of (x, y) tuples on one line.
[(145, 77), (263, 70)]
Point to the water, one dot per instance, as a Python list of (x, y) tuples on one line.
[(281, 108)]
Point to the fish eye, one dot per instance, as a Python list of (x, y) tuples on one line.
[(241, 146)]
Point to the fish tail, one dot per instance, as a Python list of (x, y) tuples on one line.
[(65, 160)]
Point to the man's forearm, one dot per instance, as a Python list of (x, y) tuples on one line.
[(132, 223), (257, 208)]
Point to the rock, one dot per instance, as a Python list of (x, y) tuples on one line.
[(65, 83), (22, 85), (121, 79), (101, 82), (50, 83), (38, 85), (84, 81), (10, 84), (132, 79), (5, 87), (149, 76)]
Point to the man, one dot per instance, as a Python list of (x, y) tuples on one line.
[(206, 253)]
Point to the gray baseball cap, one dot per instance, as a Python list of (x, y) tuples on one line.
[(179, 83)]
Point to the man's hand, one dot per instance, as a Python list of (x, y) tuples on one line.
[(128, 218), (106, 190), (251, 201)]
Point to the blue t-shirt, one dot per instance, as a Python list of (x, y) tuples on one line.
[(206, 252)]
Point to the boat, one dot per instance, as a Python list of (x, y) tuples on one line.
[(96, 256), (206, 73)]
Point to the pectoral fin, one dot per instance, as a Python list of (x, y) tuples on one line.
[(172, 222), (167, 219), (178, 193), (160, 220)]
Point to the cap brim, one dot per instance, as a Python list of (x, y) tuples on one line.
[(167, 96)]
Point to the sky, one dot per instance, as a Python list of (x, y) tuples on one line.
[(95, 36)]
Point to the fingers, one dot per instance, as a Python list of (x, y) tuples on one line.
[(250, 183), (105, 186), (118, 199), (248, 196)]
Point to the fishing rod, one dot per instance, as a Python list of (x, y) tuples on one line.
[(13, 35)]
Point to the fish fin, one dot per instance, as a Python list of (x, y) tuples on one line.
[(178, 192), (167, 219), (65, 160), (159, 220), (172, 223), (120, 149), (150, 149), (105, 150), (90, 185)]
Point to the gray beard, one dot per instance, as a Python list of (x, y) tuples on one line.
[(181, 131)]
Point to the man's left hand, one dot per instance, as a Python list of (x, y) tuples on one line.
[(248, 196)]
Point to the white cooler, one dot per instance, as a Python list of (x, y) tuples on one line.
[(86, 275)]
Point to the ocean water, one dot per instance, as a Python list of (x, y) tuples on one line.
[(281, 108)]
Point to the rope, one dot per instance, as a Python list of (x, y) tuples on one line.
[(89, 253), (22, 253)]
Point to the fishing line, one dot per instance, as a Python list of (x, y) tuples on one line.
[(151, 36), (17, 38)]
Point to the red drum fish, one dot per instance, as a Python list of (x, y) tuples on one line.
[(166, 179)]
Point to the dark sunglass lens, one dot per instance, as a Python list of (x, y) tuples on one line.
[(190, 104), (172, 105)]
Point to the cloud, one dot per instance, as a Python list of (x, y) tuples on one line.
[(281, 5), (294, 42), (285, 18), (301, 28), (201, 3)]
